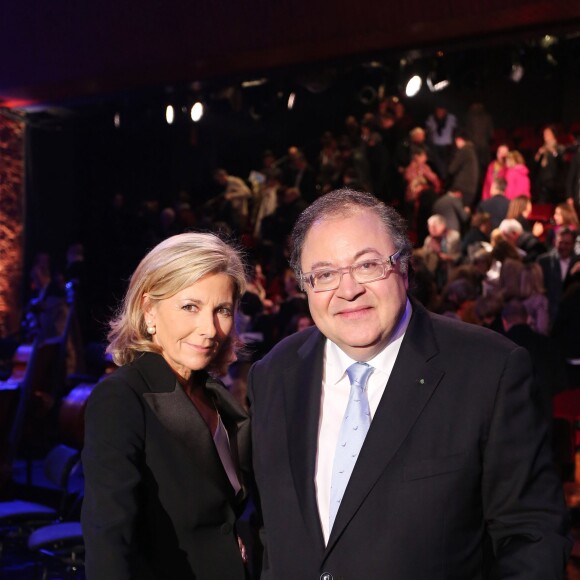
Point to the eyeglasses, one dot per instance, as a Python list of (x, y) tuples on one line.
[(361, 272)]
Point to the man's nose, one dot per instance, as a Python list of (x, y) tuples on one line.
[(348, 287)]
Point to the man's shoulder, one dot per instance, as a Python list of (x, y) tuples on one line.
[(459, 338), (288, 348), (546, 258)]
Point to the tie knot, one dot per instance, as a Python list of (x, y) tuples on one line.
[(358, 373)]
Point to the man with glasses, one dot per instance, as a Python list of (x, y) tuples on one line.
[(390, 442)]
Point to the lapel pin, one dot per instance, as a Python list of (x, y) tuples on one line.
[(422, 381)]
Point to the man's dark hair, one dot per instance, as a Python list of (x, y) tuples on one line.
[(344, 203), (500, 183), (514, 312)]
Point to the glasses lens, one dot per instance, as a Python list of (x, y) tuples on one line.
[(325, 278), (368, 271)]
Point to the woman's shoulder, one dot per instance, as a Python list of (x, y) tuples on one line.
[(126, 381)]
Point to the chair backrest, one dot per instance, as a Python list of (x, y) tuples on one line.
[(59, 464)]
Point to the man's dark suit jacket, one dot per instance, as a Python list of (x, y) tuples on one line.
[(550, 264), (496, 206), (455, 466), (158, 503)]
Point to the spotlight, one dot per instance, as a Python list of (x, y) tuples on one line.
[(291, 101), (436, 85), (117, 120), (169, 114), (196, 112), (254, 83), (413, 86), (548, 40)]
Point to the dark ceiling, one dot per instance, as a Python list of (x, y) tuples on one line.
[(59, 51)]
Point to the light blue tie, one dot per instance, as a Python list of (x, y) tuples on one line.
[(354, 428)]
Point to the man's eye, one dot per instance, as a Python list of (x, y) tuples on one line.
[(365, 266), (325, 275)]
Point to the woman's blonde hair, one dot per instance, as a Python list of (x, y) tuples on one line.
[(531, 280), (171, 266), (516, 157)]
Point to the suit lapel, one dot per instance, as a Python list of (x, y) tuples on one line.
[(413, 380), (178, 415), (302, 389)]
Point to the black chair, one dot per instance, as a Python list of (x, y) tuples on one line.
[(18, 518), (60, 544)]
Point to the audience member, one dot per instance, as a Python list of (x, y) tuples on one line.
[(451, 207), (556, 266), (422, 184), (441, 248), (520, 208), (305, 179), (573, 182), (566, 324), (236, 194), (517, 176), (564, 217), (528, 245), (441, 126), (549, 372), (477, 236), (497, 168), (267, 199), (533, 296), (549, 160), (497, 204), (464, 169), (488, 310)]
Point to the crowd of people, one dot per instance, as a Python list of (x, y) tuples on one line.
[(468, 214), (324, 248)]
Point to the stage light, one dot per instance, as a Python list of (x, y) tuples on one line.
[(413, 86), (169, 114), (196, 112), (291, 101), (435, 85), (254, 83), (117, 120)]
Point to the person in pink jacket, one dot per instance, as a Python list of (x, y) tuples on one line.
[(497, 168), (517, 176)]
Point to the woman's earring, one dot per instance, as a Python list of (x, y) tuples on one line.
[(151, 328)]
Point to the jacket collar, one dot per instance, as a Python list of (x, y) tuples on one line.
[(173, 408)]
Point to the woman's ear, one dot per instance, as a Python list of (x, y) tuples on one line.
[(148, 308)]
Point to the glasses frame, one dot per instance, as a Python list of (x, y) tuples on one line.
[(388, 264)]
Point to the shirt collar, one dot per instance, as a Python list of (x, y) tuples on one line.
[(337, 361)]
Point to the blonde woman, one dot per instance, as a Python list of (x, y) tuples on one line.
[(166, 445), (533, 296)]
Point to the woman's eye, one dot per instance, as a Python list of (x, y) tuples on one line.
[(224, 311), (189, 307)]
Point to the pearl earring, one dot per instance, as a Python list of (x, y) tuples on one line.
[(151, 328)]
